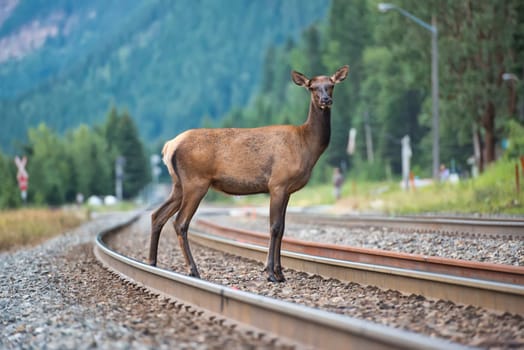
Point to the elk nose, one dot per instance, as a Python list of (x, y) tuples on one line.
[(325, 100)]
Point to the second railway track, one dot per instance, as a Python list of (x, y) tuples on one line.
[(336, 262), (461, 268), (237, 284)]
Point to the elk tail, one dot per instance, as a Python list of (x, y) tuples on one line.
[(168, 153)]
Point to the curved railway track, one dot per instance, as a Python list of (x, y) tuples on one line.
[(311, 326)]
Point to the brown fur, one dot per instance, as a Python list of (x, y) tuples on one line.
[(273, 159)]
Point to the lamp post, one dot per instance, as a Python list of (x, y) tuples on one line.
[(383, 7)]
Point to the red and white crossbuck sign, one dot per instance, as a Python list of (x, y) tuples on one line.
[(21, 175)]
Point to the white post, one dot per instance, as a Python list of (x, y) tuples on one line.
[(369, 140), (406, 156)]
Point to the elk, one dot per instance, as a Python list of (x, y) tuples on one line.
[(276, 159)]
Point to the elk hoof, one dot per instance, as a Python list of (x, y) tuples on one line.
[(279, 275), (152, 262), (194, 274), (281, 278), (273, 278)]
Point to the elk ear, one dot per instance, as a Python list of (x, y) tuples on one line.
[(340, 74), (299, 79)]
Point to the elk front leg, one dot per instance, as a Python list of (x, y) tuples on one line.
[(277, 214)]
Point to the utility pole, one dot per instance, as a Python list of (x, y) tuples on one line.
[(119, 177), (434, 97)]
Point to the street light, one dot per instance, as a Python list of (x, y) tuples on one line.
[(383, 7)]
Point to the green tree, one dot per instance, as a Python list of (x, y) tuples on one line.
[(92, 167), (50, 173), (9, 193), (392, 104), (111, 129), (347, 37), (128, 145), (307, 55)]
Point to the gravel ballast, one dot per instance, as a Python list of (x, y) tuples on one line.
[(57, 296), (439, 318)]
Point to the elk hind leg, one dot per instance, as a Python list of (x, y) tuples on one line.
[(159, 219), (183, 219)]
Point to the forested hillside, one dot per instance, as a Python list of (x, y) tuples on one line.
[(169, 63)]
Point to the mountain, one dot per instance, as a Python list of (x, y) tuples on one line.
[(170, 63)]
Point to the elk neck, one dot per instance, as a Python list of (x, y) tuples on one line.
[(317, 128)]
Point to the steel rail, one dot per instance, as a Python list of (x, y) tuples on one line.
[(462, 268), (305, 325), (487, 219), (497, 296), (512, 228)]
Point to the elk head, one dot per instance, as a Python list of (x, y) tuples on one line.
[(321, 87)]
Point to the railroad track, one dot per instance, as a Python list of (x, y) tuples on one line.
[(300, 324), (329, 330)]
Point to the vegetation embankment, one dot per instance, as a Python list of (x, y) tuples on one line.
[(30, 226), (493, 193)]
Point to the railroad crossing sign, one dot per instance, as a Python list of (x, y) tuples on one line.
[(22, 176)]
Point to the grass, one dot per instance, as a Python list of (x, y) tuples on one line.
[(30, 226), (120, 206)]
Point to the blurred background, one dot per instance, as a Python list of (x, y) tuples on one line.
[(90, 90)]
